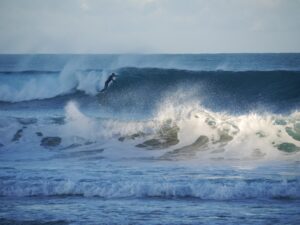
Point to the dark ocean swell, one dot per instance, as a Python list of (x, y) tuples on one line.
[(145, 87)]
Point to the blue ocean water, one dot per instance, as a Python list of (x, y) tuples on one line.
[(176, 139)]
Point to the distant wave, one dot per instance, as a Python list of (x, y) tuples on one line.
[(41, 72), (29, 72)]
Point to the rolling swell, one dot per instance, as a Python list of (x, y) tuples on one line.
[(229, 90), (144, 87)]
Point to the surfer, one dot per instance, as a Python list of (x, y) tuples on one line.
[(110, 79)]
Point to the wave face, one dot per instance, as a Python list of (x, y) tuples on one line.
[(231, 78), (235, 83), (216, 89), (144, 88)]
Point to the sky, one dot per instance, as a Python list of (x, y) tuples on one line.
[(149, 26)]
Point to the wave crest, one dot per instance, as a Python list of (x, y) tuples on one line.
[(202, 189), (16, 87)]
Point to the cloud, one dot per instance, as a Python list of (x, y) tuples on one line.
[(84, 5), (149, 26)]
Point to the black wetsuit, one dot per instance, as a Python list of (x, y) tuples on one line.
[(109, 79)]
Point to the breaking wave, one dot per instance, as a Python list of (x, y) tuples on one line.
[(279, 89), (215, 189), (176, 132), (31, 85)]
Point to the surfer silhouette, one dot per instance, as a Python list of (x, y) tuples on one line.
[(110, 79)]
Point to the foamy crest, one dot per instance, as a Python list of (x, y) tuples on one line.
[(50, 85), (231, 137), (249, 136), (33, 88), (77, 123), (202, 189), (80, 125)]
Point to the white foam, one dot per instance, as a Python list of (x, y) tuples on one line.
[(202, 189), (254, 135), (51, 85)]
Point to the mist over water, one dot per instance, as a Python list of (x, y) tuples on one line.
[(200, 136)]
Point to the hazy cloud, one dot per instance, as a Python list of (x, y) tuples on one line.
[(149, 26)]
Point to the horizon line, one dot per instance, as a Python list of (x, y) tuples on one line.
[(162, 53)]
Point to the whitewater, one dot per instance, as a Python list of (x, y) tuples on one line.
[(176, 139)]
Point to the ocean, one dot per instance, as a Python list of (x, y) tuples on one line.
[(175, 139)]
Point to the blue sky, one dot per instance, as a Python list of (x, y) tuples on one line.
[(149, 26)]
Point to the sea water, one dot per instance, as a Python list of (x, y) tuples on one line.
[(176, 139)]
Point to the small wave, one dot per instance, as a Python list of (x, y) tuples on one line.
[(201, 189)]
